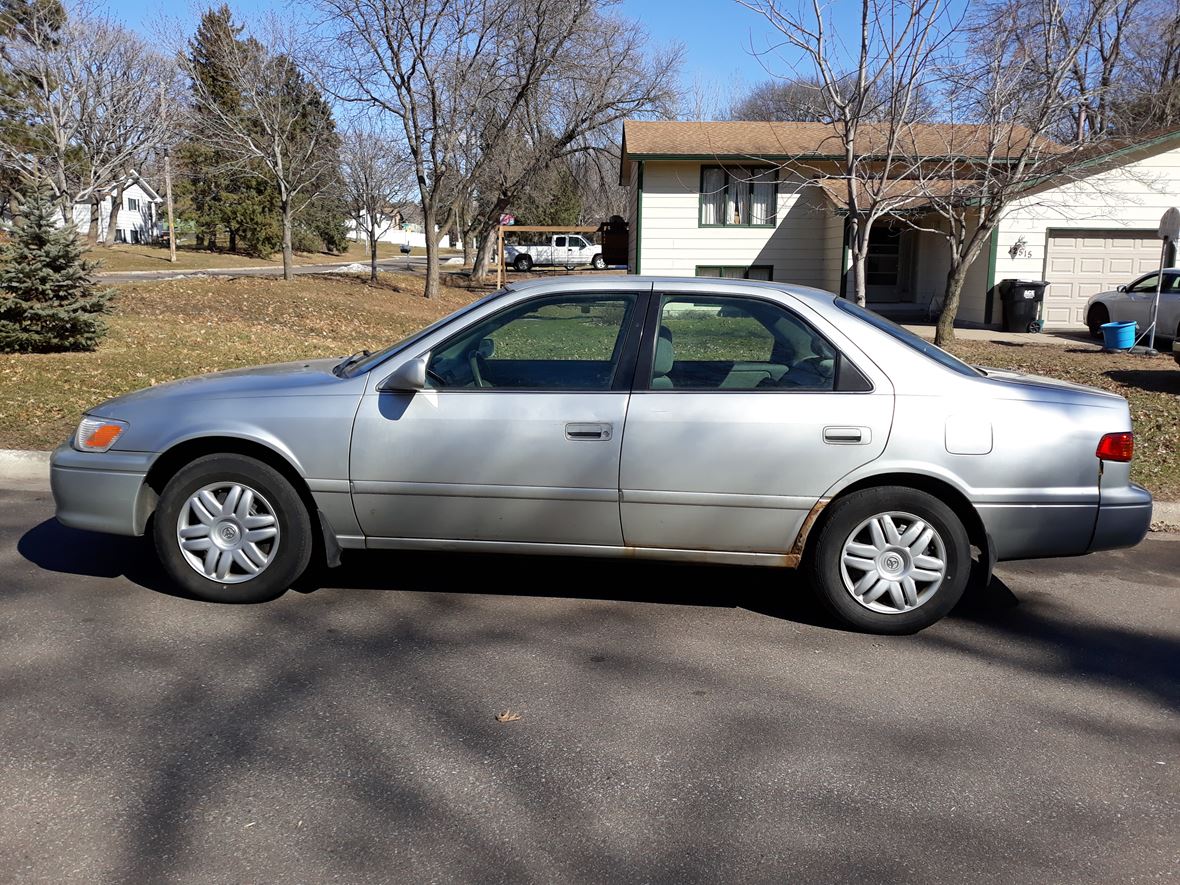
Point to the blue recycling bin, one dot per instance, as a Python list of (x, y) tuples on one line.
[(1118, 336)]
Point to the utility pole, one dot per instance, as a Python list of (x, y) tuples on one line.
[(168, 201), (168, 190)]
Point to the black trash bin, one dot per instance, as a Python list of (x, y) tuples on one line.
[(1022, 304)]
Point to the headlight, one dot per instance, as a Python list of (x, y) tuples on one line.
[(97, 434)]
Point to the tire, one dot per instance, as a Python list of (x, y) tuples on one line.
[(597, 262), (267, 506), (523, 263), (1098, 315), (837, 580)]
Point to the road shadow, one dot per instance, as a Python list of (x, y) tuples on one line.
[(778, 593), (1152, 380)]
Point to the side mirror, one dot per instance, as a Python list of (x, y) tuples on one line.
[(406, 378), (1121, 289)]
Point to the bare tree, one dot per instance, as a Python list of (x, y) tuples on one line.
[(577, 79), (277, 124), (378, 181), (1016, 87), (870, 93), (91, 107), (487, 91)]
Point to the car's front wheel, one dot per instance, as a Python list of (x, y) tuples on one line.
[(597, 262), (229, 528), (1095, 318), (891, 560)]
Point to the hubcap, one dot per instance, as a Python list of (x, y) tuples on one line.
[(228, 532), (893, 562)]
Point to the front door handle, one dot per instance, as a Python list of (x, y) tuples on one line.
[(587, 431), (847, 436)]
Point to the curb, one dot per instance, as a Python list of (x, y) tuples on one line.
[(22, 467)]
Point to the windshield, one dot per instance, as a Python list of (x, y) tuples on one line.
[(907, 338), (365, 364)]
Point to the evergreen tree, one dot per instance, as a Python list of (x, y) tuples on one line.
[(49, 300)]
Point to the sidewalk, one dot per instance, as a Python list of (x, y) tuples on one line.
[(1052, 337)]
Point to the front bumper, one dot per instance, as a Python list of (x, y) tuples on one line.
[(1124, 516), (102, 492)]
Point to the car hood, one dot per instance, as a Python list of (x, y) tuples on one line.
[(281, 379), (1040, 387)]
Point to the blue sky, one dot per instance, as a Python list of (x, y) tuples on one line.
[(716, 34)]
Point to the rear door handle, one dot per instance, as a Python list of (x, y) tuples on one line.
[(587, 431), (847, 436)]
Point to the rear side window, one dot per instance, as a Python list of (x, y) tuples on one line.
[(907, 338)]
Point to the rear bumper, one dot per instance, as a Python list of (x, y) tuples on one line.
[(102, 492), (1123, 519)]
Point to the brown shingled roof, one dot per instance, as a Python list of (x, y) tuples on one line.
[(786, 140)]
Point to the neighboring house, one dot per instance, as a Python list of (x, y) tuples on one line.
[(757, 200), (138, 217), (395, 227)]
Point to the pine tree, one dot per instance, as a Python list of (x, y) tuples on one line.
[(49, 299)]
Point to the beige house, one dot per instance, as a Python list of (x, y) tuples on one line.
[(758, 200)]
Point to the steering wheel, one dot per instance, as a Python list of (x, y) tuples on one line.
[(435, 376)]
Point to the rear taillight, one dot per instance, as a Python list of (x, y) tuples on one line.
[(1116, 446)]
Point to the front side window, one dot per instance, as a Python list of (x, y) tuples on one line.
[(1147, 284), (742, 196), (728, 343), (559, 343)]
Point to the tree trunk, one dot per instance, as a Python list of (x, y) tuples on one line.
[(483, 254), (92, 230), (288, 257), (373, 254), (233, 239), (944, 332), (116, 208), (432, 284)]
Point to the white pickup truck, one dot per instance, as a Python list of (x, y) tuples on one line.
[(566, 250)]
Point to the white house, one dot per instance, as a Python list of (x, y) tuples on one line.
[(138, 219), (753, 200)]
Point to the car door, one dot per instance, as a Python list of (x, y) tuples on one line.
[(743, 415), (1135, 305), (577, 251), (517, 437)]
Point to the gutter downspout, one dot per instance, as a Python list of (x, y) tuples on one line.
[(639, 220)]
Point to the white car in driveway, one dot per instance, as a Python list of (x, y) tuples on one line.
[(1132, 303)]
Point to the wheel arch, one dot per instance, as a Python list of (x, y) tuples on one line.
[(939, 488), (182, 453)]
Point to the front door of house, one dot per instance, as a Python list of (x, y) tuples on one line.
[(886, 269)]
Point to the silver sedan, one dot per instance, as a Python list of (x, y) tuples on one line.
[(1134, 303), (712, 420)]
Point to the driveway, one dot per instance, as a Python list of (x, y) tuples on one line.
[(678, 724)]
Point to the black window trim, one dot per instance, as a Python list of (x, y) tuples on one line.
[(624, 372), (745, 268), (641, 382)]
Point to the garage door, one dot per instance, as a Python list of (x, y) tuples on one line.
[(1080, 263)]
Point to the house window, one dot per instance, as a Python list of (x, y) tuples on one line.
[(132, 204), (736, 272), (740, 196)]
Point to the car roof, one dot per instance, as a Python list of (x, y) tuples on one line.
[(714, 284)]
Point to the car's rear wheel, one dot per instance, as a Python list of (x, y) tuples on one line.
[(523, 263), (597, 262), (1095, 318), (229, 528), (890, 560)]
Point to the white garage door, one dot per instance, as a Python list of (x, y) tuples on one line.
[(1080, 263)]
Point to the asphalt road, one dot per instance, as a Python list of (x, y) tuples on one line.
[(276, 270), (679, 724)]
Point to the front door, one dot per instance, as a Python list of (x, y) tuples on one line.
[(742, 417), (517, 437)]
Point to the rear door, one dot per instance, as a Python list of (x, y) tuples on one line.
[(743, 414)]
